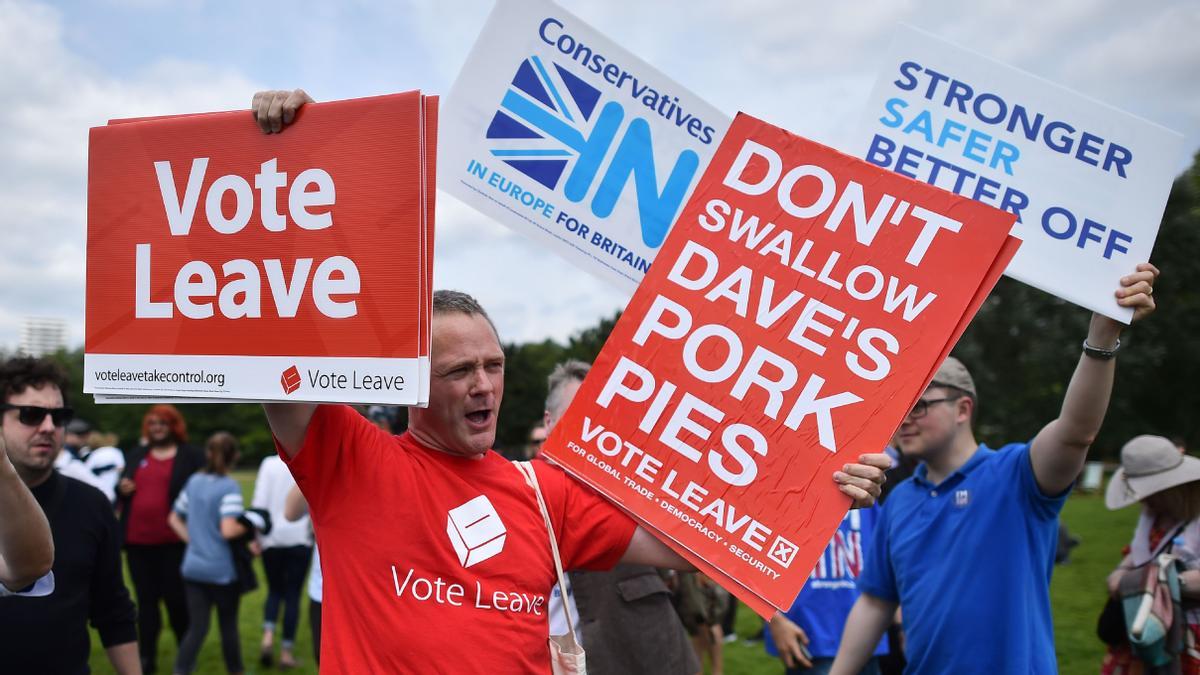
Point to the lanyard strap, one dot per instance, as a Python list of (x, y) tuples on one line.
[(531, 478)]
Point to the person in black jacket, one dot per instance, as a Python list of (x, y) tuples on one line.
[(154, 475), (44, 629)]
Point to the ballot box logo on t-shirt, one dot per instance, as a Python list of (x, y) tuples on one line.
[(553, 127), (475, 531)]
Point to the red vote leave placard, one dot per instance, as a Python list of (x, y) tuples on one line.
[(798, 308), (223, 261)]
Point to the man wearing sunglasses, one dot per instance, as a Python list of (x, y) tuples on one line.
[(26, 548), (965, 546), (46, 632)]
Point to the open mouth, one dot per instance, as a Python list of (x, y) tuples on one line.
[(479, 417)]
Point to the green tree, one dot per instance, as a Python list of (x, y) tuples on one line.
[(526, 368), (1023, 345)]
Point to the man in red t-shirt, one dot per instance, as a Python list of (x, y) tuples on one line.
[(434, 553)]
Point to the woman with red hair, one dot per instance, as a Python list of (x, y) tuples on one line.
[(155, 473)]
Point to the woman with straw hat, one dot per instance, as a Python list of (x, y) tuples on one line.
[(1167, 484)]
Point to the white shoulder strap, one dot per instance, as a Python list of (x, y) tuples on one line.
[(531, 478)]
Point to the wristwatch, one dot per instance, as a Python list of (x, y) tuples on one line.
[(1100, 354)]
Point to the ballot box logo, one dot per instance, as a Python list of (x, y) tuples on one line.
[(475, 531), (290, 379), (553, 127), (783, 551)]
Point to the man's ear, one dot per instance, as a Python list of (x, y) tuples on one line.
[(965, 409), (546, 420)]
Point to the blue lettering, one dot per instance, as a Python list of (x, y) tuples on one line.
[(976, 140), (949, 129), (893, 106), (1065, 142), (1005, 152), (960, 93), (1114, 239), (1002, 108), (908, 157), (880, 152), (923, 123), (1048, 227), (1119, 156), (1088, 144), (592, 154), (935, 78), (634, 158), (907, 70), (1014, 201), (550, 21), (1088, 233)]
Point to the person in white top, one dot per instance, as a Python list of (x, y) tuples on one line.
[(105, 460), (286, 553)]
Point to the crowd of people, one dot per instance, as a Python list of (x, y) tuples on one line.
[(440, 556)]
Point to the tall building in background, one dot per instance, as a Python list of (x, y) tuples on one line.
[(41, 336)]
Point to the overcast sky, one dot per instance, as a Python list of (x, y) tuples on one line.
[(805, 66)]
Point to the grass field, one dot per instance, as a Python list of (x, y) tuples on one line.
[(1076, 595)]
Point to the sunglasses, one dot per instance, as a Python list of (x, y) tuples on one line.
[(32, 415)]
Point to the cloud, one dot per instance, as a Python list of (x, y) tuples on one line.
[(51, 99)]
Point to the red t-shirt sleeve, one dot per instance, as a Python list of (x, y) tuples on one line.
[(592, 532), (340, 452)]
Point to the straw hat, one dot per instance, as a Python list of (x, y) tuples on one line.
[(1149, 464)]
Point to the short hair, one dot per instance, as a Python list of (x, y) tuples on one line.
[(23, 372), (457, 302), (171, 415), (567, 371)]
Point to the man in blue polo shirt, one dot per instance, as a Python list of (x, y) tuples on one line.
[(965, 547)]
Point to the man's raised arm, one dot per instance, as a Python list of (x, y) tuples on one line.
[(289, 423), (26, 547), (1060, 449), (273, 110)]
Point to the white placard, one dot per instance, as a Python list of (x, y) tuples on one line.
[(559, 133), (1087, 181)]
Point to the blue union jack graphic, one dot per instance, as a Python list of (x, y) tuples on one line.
[(538, 152), (553, 128)]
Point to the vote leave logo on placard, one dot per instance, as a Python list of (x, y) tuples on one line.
[(798, 308), (220, 257)]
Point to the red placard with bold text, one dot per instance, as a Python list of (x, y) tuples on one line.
[(219, 257), (798, 308)]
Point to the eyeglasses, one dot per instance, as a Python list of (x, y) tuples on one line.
[(922, 407), (33, 415)]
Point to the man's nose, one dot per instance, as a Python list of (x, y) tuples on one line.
[(482, 384)]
